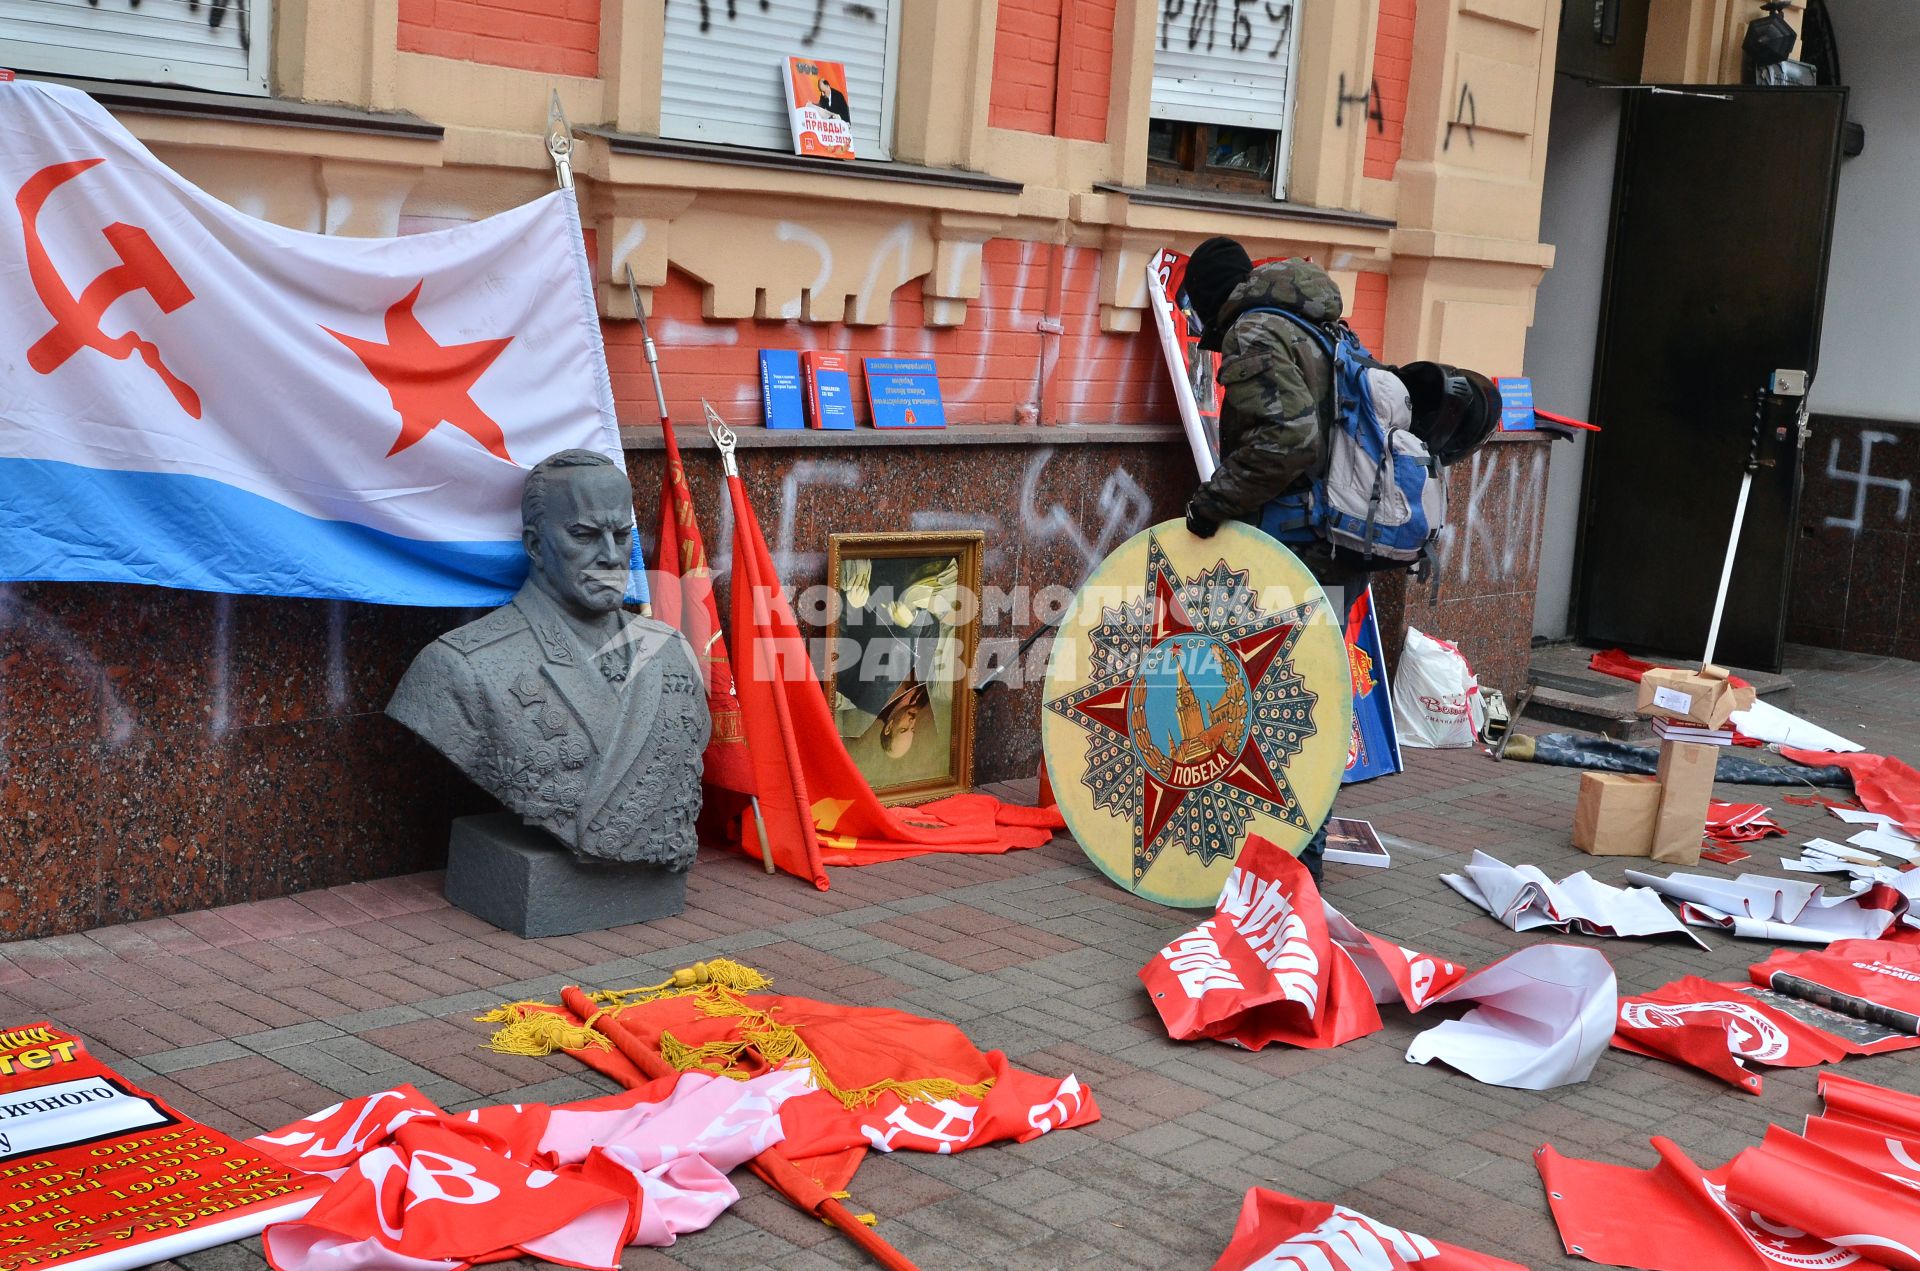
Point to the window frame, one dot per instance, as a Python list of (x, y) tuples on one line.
[(1283, 145)]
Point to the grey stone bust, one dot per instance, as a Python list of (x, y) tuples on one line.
[(586, 720)]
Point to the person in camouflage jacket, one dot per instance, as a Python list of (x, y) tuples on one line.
[(1277, 383), (1278, 403)]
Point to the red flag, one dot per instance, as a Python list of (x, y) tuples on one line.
[(690, 606), (1875, 980), (1675, 1216), (872, 1078), (420, 1188), (819, 810), (1276, 963), (1276, 1231), (1882, 783)]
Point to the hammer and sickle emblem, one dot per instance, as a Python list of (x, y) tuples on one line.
[(76, 319)]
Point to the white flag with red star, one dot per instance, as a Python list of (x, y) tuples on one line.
[(191, 397)]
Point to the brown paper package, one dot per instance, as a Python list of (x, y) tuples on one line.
[(1686, 787), (1615, 814)]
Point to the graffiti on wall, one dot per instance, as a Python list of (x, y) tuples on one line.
[(729, 11), (1261, 26), (1863, 480), (1031, 349), (1492, 537), (222, 17)]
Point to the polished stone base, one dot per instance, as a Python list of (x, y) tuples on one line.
[(521, 880)]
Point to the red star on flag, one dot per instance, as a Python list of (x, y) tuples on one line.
[(430, 383)]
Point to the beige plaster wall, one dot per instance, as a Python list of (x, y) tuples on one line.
[(1463, 259)]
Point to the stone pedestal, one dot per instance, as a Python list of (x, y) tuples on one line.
[(521, 880)]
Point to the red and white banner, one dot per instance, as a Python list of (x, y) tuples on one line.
[(1804, 1007), (1275, 963), (1762, 907), (419, 1189), (1277, 1232), (97, 1174), (1846, 1194)]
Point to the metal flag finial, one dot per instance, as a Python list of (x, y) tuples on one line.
[(560, 141), (723, 438)]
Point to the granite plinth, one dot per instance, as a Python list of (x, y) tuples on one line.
[(521, 880)]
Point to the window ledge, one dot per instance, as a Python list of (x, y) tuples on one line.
[(193, 103), (752, 437), (628, 143), (1244, 204)]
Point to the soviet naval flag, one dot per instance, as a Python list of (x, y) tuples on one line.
[(191, 397)]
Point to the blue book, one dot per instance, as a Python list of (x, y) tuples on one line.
[(829, 390), (1516, 403), (782, 401), (904, 392)]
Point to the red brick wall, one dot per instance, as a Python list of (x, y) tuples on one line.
[(1392, 68), (991, 370), (1027, 94), (1026, 42), (1092, 71), (558, 37), (1367, 310)]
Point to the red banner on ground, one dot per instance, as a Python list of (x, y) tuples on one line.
[(1275, 963), (1836, 1197), (95, 1173), (1277, 1232)]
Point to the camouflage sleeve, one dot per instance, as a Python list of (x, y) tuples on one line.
[(1281, 442)]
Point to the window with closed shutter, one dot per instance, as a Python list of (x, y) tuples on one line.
[(1222, 68), (214, 44), (723, 63)]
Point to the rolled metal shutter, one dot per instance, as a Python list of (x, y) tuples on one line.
[(214, 44), (1225, 62), (724, 61)]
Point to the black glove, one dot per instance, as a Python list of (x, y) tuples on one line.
[(1199, 524)]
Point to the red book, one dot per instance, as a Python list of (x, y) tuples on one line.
[(829, 389)]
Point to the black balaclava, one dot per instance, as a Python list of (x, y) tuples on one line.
[(1216, 267)]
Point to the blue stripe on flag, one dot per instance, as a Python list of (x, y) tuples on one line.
[(174, 530)]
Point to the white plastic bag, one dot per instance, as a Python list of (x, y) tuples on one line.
[(1436, 699)]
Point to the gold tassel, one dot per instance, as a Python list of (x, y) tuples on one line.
[(527, 1030), (781, 1046), (530, 1031)]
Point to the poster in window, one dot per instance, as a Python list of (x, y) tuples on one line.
[(905, 630), (817, 108)]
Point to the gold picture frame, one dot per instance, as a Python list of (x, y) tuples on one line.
[(902, 635)]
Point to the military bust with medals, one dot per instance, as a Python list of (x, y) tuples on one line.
[(586, 720)]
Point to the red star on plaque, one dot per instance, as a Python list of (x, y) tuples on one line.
[(430, 383)]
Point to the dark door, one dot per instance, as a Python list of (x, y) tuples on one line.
[(1716, 273)]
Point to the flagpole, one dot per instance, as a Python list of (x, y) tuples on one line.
[(673, 459)]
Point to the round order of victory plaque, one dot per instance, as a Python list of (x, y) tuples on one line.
[(1197, 693)]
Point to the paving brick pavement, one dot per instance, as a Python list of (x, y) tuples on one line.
[(250, 1016)]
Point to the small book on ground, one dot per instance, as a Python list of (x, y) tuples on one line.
[(782, 400), (1353, 842), (817, 108), (829, 390), (904, 392)]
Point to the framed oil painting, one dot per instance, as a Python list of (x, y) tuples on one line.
[(899, 651)]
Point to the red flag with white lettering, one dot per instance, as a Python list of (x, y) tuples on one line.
[(1276, 963), (420, 1189), (1277, 1232), (1729, 1029)]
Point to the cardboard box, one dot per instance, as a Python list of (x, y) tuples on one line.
[(1702, 697), (1686, 787), (1615, 814)]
